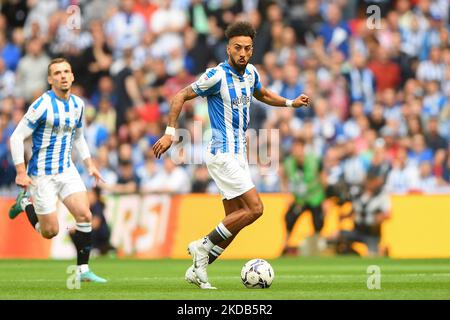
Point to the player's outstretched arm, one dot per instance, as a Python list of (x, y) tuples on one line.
[(176, 105), (271, 98), (19, 135)]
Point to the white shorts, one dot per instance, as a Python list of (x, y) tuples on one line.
[(230, 172), (48, 188)]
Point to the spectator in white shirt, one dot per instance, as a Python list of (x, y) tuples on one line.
[(170, 179), (403, 177), (432, 69), (125, 29), (427, 182), (7, 81)]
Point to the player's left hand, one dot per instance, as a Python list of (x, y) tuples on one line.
[(93, 171), (300, 101)]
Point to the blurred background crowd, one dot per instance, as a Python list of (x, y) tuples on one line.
[(379, 88)]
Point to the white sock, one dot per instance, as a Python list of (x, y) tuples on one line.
[(24, 203), (207, 244), (217, 251), (38, 227), (223, 231), (83, 268), (83, 227)]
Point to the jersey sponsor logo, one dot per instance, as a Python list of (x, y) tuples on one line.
[(63, 129), (240, 101)]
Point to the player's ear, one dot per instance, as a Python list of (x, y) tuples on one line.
[(228, 49), (49, 80)]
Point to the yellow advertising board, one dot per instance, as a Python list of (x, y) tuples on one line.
[(419, 227), (161, 226), (199, 214)]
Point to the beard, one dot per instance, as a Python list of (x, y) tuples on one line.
[(238, 67)]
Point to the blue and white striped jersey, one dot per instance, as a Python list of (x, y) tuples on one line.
[(229, 96), (54, 122)]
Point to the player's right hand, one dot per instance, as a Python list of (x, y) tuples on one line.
[(162, 145), (23, 180)]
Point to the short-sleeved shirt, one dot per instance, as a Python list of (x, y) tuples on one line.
[(229, 95)]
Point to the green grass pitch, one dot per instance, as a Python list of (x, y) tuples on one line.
[(295, 279)]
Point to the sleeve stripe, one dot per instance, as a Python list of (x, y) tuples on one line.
[(211, 73), (37, 103)]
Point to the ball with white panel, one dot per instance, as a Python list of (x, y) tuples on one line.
[(257, 274)]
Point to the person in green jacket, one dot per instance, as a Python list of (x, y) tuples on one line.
[(302, 174)]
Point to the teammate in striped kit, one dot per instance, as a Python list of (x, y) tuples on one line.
[(55, 123), (229, 89)]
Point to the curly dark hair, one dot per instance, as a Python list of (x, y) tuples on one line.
[(240, 28)]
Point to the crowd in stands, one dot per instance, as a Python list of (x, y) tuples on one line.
[(380, 89)]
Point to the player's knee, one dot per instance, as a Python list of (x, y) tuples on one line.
[(50, 232), (84, 216)]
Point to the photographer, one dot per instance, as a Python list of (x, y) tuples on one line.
[(369, 210)]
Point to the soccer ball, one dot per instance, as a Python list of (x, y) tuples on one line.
[(257, 274)]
